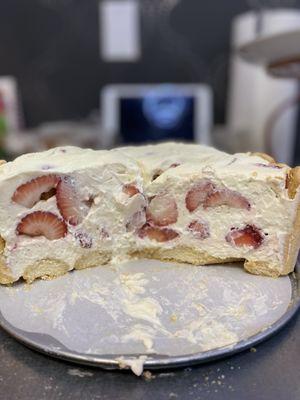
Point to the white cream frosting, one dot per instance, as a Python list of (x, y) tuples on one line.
[(102, 175)]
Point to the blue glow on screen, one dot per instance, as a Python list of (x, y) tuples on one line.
[(164, 112), (156, 117)]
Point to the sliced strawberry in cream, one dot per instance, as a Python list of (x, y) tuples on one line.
[(130, 189), (205, 193), (249, 236), (198, 194), (199, 229), (162, 210), (158, 234), (72, 209), (40, 188), (228, 198), (42, 223)]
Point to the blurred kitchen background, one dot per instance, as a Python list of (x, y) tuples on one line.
[(104, 73)]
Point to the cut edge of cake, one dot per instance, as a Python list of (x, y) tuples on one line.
[(52, 268)]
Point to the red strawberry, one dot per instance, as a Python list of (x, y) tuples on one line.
[(130, 189), (199, 229), (71, 208), (42, 223), (158, 234), (198, 194), (162, 210), (249, 236), (37, 189), (228, 198)]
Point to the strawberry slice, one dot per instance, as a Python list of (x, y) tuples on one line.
[(41, 188), (199, 229), (228, 198), (198, 194), (42, 223), (158, 234), (162, 210), (249, 236), (71, 208), (130, 189)]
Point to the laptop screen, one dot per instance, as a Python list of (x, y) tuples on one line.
[(155, 118)]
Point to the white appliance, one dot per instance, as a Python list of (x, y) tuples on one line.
[(261, 110)]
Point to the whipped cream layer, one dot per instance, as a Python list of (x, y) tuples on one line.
[(116, 218)]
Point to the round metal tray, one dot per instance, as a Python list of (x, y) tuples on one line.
[(49, 346)]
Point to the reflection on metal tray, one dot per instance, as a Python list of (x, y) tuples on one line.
[(149, 314)]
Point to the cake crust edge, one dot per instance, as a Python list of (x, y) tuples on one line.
[(181, 254), (293, 242)]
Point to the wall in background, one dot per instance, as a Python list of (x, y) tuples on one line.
[(52, 47)]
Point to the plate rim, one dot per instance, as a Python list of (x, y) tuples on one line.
[(154, 361)]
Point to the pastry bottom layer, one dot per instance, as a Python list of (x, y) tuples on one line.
[(5, 277), (193, 256), (52, 268)]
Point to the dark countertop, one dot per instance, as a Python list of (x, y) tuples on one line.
[(270, 371)]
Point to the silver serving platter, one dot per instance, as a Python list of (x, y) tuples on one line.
[(48, 345)]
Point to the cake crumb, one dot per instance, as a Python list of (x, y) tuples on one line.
[(253, 350), (78, 372), (173, 318), (148, 376), (165, 374)]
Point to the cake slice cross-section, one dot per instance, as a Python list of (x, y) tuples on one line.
[(70, 208)]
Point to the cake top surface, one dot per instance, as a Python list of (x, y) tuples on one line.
[(187, 158)]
